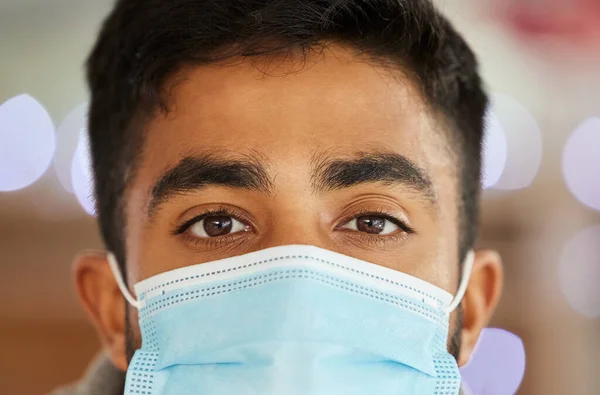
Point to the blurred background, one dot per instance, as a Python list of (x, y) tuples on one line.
[(541, 210)]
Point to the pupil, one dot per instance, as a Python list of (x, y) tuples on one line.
[(370, 224), (217, 225)]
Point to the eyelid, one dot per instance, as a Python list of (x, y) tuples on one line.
[(402, 224), (180, 229)]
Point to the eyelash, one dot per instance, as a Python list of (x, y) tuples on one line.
[(377, 240), (216, 241), (382, 214), (209, 213), (181, 230)]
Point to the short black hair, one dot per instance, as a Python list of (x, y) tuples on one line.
[(142, 43)]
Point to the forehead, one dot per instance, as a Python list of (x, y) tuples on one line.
[(286, 110)]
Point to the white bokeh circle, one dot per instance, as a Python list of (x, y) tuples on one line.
[(68, 134), (523, 139), (27, 142), (579, 272), (494, 151), (581, 163), (497, 364)]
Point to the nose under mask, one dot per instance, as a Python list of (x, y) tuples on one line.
[(292, 320)]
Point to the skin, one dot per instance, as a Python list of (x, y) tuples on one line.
[(293, 118)]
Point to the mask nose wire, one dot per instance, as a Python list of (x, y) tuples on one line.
[(464, 282), (114, 267)]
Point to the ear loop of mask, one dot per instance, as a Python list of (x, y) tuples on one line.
[(464, 282), (462, 288), (114, 267)]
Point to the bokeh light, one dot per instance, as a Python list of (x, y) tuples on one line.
[(572, 21), (81, 175), (27, 142), (523, 139), (68, 135), (497, 365), (581, 163), (494, 151), (579, 272)]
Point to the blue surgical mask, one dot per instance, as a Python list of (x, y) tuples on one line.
[(292, 320)]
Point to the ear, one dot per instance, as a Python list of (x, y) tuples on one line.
[(480, 300), (103, 302)]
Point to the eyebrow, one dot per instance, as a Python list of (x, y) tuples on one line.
[(193, 173), (389, 168)]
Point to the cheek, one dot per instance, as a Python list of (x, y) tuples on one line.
[(443, 252), (150, 250), (135, 245)]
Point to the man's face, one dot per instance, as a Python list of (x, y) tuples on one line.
[(337, 119), (337, 140), (333, 152)]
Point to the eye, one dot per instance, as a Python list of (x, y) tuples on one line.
[(375, 224), (210, 226)]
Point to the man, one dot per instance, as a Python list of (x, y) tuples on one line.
[(223, 129)]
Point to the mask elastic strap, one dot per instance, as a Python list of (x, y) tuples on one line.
[(464, 282), (114, 267)]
